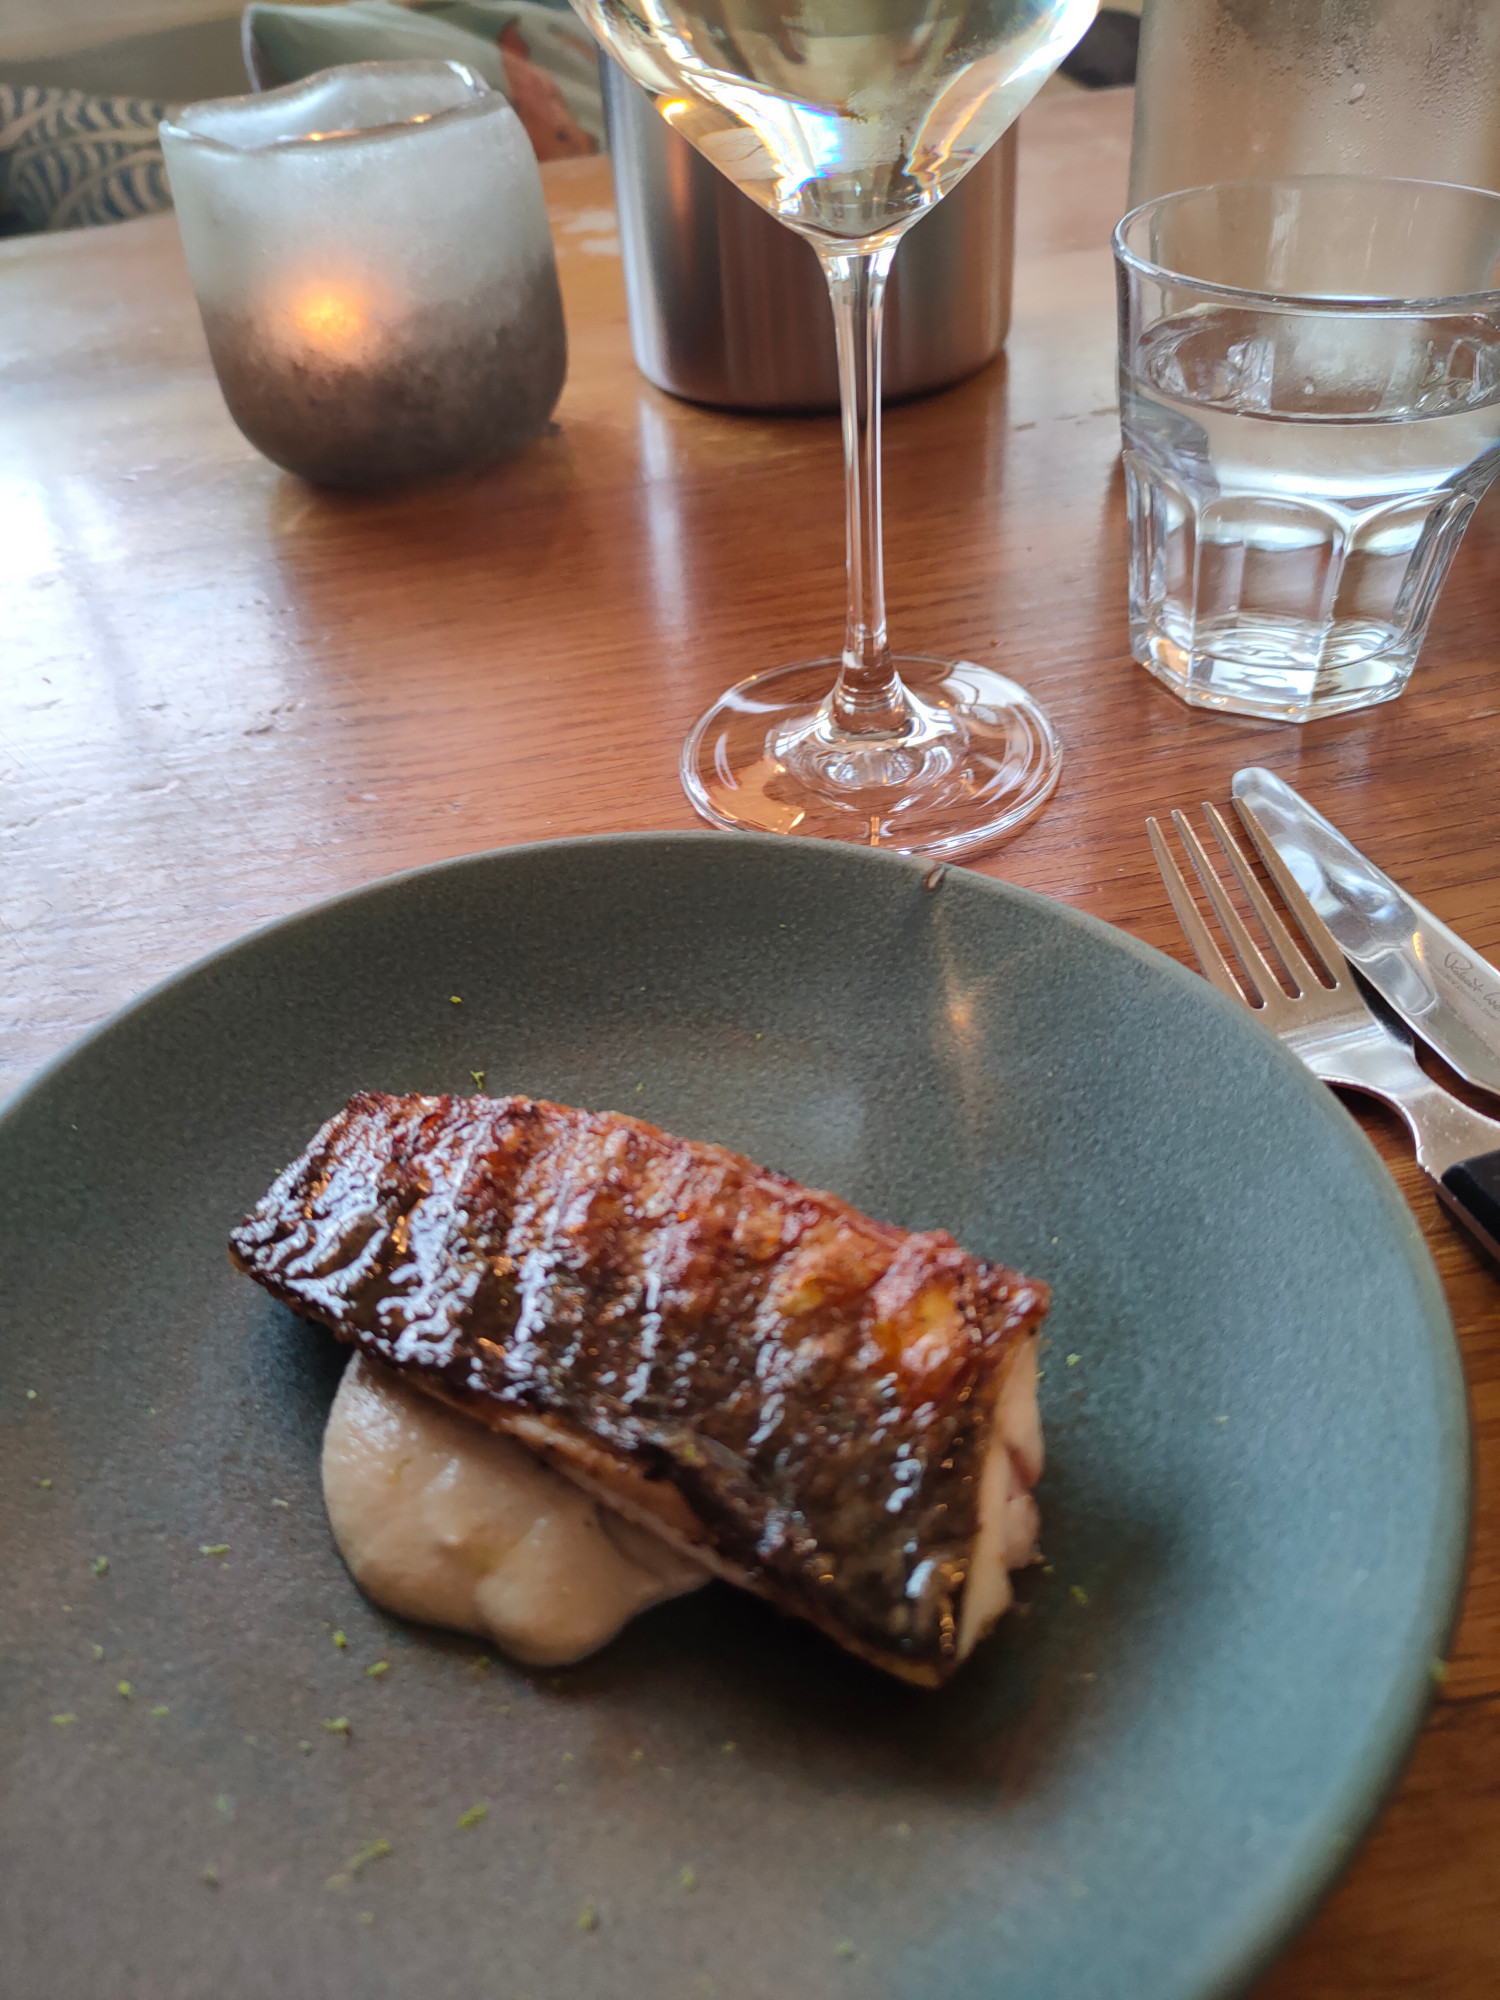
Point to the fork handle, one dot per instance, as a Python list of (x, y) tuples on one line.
[(1458, 1149), (1447, 1133), (1471, 1193)]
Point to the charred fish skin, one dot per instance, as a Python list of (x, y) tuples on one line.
[(818, 1387)]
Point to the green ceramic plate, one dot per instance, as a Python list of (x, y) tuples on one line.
[(1254, 1503)]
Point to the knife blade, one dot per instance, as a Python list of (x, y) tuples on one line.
[(1441, 988)]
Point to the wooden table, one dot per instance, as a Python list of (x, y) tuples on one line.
[(225, 694)]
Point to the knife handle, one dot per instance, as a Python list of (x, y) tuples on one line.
[(1471, 1192)]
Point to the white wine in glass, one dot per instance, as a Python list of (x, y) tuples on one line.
[(847, 120)]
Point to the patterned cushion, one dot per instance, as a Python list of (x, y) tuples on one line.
[(67, 160)]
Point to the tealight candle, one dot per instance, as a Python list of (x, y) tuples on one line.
[(374, 269)]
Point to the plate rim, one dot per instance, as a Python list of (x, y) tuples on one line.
[(1331, 1845)]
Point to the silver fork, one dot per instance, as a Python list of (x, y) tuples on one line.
[(1327, 1022)]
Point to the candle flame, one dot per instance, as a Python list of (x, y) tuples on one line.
[(332, 318)]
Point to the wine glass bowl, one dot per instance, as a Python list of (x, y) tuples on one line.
[(847, 120)]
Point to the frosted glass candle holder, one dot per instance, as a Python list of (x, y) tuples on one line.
[(374, 268)]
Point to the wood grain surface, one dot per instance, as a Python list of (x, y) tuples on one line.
[(225, 694)]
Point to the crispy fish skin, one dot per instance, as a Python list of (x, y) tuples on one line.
[(811, 1393)]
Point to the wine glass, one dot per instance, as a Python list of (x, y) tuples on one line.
[(847, 120)]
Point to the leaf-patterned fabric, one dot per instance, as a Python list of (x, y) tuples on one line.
[(68, 160)]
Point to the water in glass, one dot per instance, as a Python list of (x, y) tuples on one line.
[(1297, 487), (1310, 403)]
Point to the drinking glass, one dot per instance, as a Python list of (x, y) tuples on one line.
[(847, 120), (1230, 90), (1310, 402)]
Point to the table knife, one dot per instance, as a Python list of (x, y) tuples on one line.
[(1441, 988)]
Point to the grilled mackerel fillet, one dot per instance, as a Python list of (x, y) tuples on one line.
[(806, 1401)]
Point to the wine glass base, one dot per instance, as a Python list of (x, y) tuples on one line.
[(981, 761)]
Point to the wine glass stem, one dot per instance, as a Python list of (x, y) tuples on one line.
[(868, 698)]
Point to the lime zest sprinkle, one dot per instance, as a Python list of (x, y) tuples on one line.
[(65, 1718), (728, 1749), (380, 1667), (478, 1076), (101, 1565), (224, 1803), (1078, 1596), (456, 999), (213, 1548), (567, 1756), (210, 1875), (473, 1816), (161, 1709), (1073, 1360), (303, 1744), (1438, 1670), (588, 1918), (98, 1652), (45, 1484), (340, 1641), (31, 1395), (688, 1879), (123, 1687), (281, 1503), (637, 1756), (843, 1949), (901, 1828), (376, 1851), (338, 1727), (366, 1917)]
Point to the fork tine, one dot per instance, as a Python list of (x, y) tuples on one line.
[(1317, 933), (1303, 976), (1216, 968), (1263, 980)]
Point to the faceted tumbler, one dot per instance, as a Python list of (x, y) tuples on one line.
[(1310, 402)]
